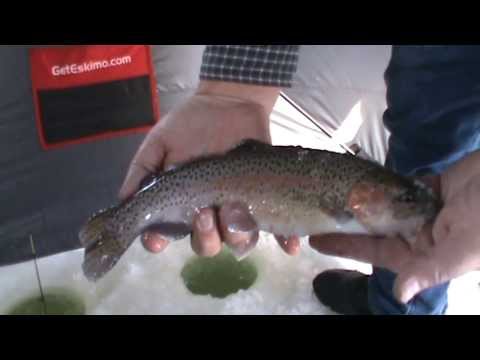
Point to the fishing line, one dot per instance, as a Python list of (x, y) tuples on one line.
[(38, 276), (313, 121)]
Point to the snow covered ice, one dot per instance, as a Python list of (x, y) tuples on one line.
[(144, 283)]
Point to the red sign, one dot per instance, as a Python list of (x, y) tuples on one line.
[(67, 67)]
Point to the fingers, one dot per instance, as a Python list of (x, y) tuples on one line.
[(437, 264), (238, 229), (381, 252), (148, 160), (205, 238), (291, 245), (154, 242), (390, 253), (234, 226), (419, 275), (417, 269)]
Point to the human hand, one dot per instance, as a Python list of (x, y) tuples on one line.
[(218, 117), (444, 251)]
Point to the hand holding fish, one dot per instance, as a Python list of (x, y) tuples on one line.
[(455, 237), (286, 190), (218, 117)]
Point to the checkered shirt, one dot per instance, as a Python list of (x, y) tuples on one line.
[(270, 65)]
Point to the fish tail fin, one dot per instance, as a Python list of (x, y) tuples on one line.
[(103, 246)]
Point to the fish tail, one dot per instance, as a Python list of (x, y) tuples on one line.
[(103, 246)]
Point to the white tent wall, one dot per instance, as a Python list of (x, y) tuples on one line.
[(341, 86), (177, 68)]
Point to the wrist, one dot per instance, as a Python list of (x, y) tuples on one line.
[(263, 96)]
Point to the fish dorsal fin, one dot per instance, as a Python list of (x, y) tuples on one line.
[(249, 145)]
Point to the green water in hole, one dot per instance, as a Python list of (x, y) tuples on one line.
[(59, 302), (218, 276)]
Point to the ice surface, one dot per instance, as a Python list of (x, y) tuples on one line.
[(143, 283)]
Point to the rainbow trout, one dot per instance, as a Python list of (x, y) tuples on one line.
[(288, 190)]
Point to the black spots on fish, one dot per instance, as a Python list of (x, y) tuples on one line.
[(229, 166), (275, 165), (195, 176), (253, 164), (127, 207), (326, 177), (336, 189), (305, 171), (328, 201), (297, 195)]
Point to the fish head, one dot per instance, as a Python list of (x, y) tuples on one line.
[(396, 206)]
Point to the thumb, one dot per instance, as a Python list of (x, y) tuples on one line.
[(148, 160), (418, 276)]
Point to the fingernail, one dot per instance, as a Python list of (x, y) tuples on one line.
[(243, 248), (295, 250), (411, 288), (234, 228), (240, 253), (238, 220), (205, 222), (153, 242)]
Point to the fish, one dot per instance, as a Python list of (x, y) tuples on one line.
[(288, 190)]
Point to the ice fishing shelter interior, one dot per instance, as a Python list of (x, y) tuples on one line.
[(336, 103)]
